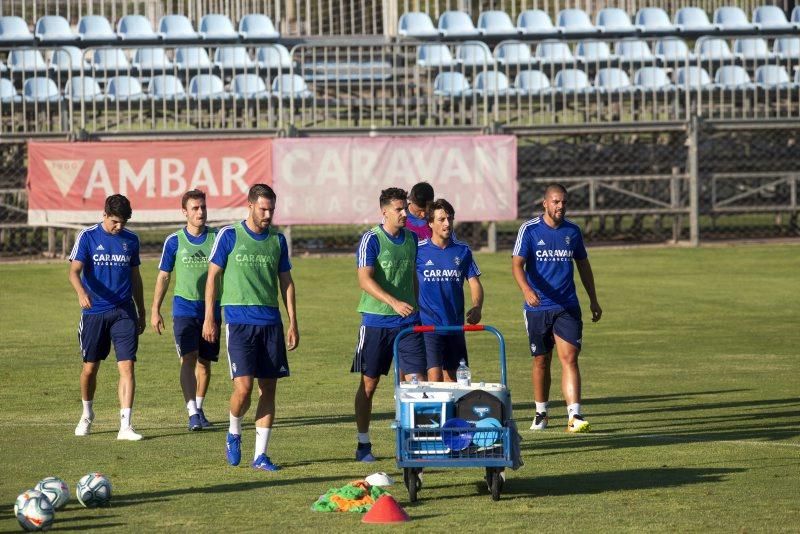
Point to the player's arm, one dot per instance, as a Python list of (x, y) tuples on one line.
[(210, 326), (162, 284), (138, 296), (367, 282), (476, 291), (288, 293), (75, 270), (518, 269), (587, 279)]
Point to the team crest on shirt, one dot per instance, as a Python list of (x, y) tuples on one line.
[(125, 247), (567, 240), (457, 260), (533, 347)]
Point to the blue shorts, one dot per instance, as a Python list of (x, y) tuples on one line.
[(189, 338), (257, 351), (119, 326), (542, 326), (445, 351), (373, 355)]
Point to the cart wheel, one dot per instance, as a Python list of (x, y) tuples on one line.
[(413, 483), (496, 484)]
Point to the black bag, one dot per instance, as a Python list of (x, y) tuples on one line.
[(478, 404)]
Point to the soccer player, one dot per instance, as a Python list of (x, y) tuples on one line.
[(418, 198), (386, 259), (443, 263), (253, 261), (104, 271), (542, 265), (186, 252)]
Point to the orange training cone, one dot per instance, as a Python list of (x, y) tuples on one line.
[(385, 510)]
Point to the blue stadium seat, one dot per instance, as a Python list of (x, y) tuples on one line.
[(591, 51), (535, 21), (151, 60), (192, 58), (652, 79), (256, 25), (290, 86), (83, 89), (771, 18), (15, 29), (207, 87), (8, 93), (773, 77), (614, 19), (124, 89), (217, 26), (274, 57), (634, 51), (434, 55), (166, 87), (176, 27), (732, 18), (713, 49), (752, 49), (68, 59), (249, 86), (574, 21), (451, 85), (492, 83), (693, 19), (787, 48), (692, 78), (532, 83), (233, 58), (495, 23), (457, 23), (474, 54), (673, 50), (612, 80), (572, 82), (513, 53), (135, 27), (796, 16), (416, 24), (654, 19), (39, 90), (26, 61), (95, 27), (733, 77), (554, 52), (54, 28), (110, 60)]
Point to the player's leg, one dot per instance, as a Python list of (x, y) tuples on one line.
[(125, 337), (372, 358), (540, 337), (411, 353), (272, 365), (568, 328), (94, 340), (209, 352), (242, 362), (88, 382), (434, 354), (187, 343), (455, 350)]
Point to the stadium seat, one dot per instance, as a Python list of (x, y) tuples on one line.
[(135, 27), (290, 86), (731, 18), (474, 54), (574, 21), (217, 26), (451, 85), (513, 53), (653, 19), (692, 78), (771, 18), (457, 23), (495, 23), (26, 61), (733, 77), (554, 52), (434, 55), (151, 60), (693, 19), (249, 86), (796, 16), (572, 82), (176, 27), (192, 58), (233, 58), (652, 79), (773, 77), (68, 59), (110, 60), (492, 83), (612, 80), (54, 28), (614, 19), (207, 87), (40, 90), (8, 93), (166, 87), (535, 21), (752, 49), (797, 77), (416, 24), (673, 50), (95, 27), (787, 48), (274, 57), (256, 25), (712, 49), (124, 89), (591, 51), (531, 82), (634, 51), (15, 29), (83, 89)]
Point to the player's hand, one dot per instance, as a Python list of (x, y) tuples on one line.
[(142, 325), (531, 298), (597, 312), (210, 331), (474, 315), (84, 301), (292, 337), (403, 309), (157, 322)]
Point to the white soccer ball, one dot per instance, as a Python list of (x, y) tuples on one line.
[(34, 511), (93, 490), (54, 489)]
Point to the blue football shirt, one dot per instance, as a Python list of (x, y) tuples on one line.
[(182, 307), (548, 254), (253, 315), (107, 261), (441, 273)]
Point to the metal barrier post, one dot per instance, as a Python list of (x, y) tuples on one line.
[(491, 237), (694, 183)]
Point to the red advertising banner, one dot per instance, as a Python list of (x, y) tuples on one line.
[(339, 180), (68, 182)]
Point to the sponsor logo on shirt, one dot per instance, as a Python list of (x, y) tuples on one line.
[(260, 260), (197, 259), (554, 255), (111, 260), (441, 275)]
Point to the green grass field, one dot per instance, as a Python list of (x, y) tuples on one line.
[(690, 383)]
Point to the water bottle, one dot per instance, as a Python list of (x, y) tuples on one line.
[(414, 380), (463, 374)]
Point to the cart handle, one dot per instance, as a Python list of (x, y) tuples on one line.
[(461, 328)]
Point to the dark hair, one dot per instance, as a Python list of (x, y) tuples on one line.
[(439, 204), (118, 206), (421, 194), (392, 193), (554, 186), (260, 190), (194, 194)]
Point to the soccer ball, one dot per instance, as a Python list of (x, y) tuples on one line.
[(54, 489), (93, 490), (34, 511)]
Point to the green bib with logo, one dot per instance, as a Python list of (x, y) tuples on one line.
[(394, 271), (251, 275), (191, 266)]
